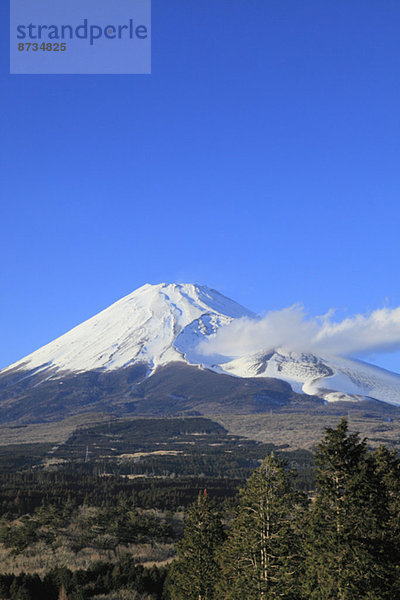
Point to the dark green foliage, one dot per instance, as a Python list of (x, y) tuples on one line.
[(25, 493), (101, 578), (347, 554), (18, 537), (386, 465), (22, 456), (105, 528), (195, 573), (261, 557)]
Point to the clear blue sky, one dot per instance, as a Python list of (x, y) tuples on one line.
[(261, 157)]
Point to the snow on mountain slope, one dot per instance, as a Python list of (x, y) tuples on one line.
[(331, 378), (160, 324), (142, 327)]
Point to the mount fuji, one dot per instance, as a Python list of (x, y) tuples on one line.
[(142, 356), (155, 325)]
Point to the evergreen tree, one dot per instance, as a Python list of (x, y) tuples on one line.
[(260, 558), (344, 559), (194, 574), (387, 471)]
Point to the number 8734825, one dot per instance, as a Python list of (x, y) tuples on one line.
[(45, 47)]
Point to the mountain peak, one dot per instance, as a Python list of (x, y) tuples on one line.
[(155, 324)]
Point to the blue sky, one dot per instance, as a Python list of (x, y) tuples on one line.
[(261, 157)]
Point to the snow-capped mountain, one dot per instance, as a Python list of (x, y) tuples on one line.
[(156, 325), (161, 325)]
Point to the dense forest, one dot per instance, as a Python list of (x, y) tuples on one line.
[(202, 539)]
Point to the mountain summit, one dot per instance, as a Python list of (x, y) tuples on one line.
[(155, 325), (142, 355)]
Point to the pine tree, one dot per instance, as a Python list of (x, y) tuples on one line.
[(194, 574), (260, 558), (387, 471), (343, 550)]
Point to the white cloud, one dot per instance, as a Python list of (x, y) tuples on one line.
[(291, 329), (362, 334)]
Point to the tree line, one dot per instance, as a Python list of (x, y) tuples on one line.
[(26, 492), (100, 579), (342, 543)]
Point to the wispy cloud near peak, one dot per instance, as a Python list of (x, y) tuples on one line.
[(292, 329)]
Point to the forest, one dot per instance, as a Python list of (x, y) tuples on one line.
[(341, 542), (258, 537)]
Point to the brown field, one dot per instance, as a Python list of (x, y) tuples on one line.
[(300, 430), (55, 432)]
